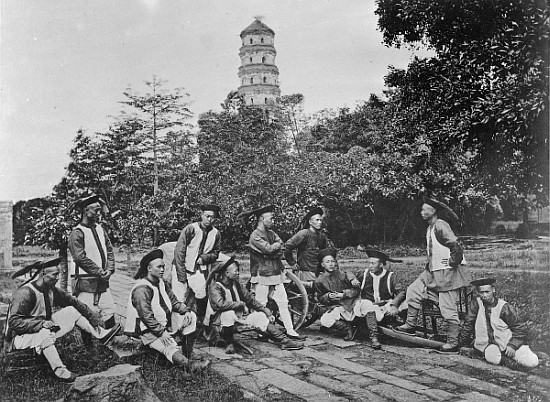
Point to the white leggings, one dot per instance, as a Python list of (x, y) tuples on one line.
[(280, 297)]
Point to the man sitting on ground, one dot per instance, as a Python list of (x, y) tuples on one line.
[(498, 329), (161, 321), (338, 291), (380, 296), (230, 304), (33, 324)]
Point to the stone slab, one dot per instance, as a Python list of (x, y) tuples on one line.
[(478, 397), (295, 386), (253, 385), (466, 381), (331, 360), (227, 369), (437, 394), (283, 365), (313, 342), (391, 379), (350, 391), (397, 394), (356, 379), (248, 365)]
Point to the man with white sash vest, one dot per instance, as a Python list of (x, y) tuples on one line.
[(40, 313), (94, 262), (443, 276), (380, 295), (230, 303), (198, 247), (498, 329), (158, 318)]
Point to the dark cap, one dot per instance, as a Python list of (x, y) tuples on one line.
[(380, 255), (327, 251), (144, 263), (220, 269), (312, 211), (92, 199), (483, 282), (440, 207), (210, 207), (37, 265)]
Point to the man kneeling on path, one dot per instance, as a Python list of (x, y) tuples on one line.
[(381, 298), (161, 321), (229, 303), (497, 327), (338, 291), (33, 324)]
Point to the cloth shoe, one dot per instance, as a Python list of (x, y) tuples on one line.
[(295, 335), (289, 344), (63, 374), (350, 335)]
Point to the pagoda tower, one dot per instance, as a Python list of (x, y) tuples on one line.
[(258, 73)]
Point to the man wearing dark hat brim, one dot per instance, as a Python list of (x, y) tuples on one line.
[(443, 276), (336, 291), (266, 268), (93, 261), (33, 321), (231, 304), (497, 327), (308, 242), (198, 247), (157, 317), (380, 296)]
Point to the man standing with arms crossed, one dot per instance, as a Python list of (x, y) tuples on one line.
[(94, 262), (443, 276), (266, 250), (197, 248), (308, 241)]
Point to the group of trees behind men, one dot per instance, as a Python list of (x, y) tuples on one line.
[(468, 125)]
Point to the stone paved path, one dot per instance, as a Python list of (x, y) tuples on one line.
[(330, 369)]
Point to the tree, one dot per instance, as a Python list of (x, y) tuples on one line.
[(160, 111), (486, 91), (290, 111)]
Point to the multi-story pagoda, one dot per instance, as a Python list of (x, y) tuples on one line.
[(258, 73)]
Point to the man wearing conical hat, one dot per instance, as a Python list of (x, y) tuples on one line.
[(443, 276), (158, 318), (498, 330), (40, 313), (231, 304), (308, 242)]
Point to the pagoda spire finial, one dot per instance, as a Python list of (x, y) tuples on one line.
[(259, 17)]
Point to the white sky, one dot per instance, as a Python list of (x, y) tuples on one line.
[(65, 63)]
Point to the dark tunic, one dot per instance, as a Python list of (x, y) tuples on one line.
[(337, 282), (265, 256), (391, 292), (21, 321), (308, 242), (219, 303), (142, 297)]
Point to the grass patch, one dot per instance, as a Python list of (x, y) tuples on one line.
[(169, 383)]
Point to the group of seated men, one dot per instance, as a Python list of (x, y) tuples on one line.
[(167, 316)]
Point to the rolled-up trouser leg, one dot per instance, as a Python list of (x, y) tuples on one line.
[(167, 350), (332, 316)]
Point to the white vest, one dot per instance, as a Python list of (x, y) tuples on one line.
[(132, 317), (91, 247), (440, 254), (192, 252), (501, 332), (376, 282)]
